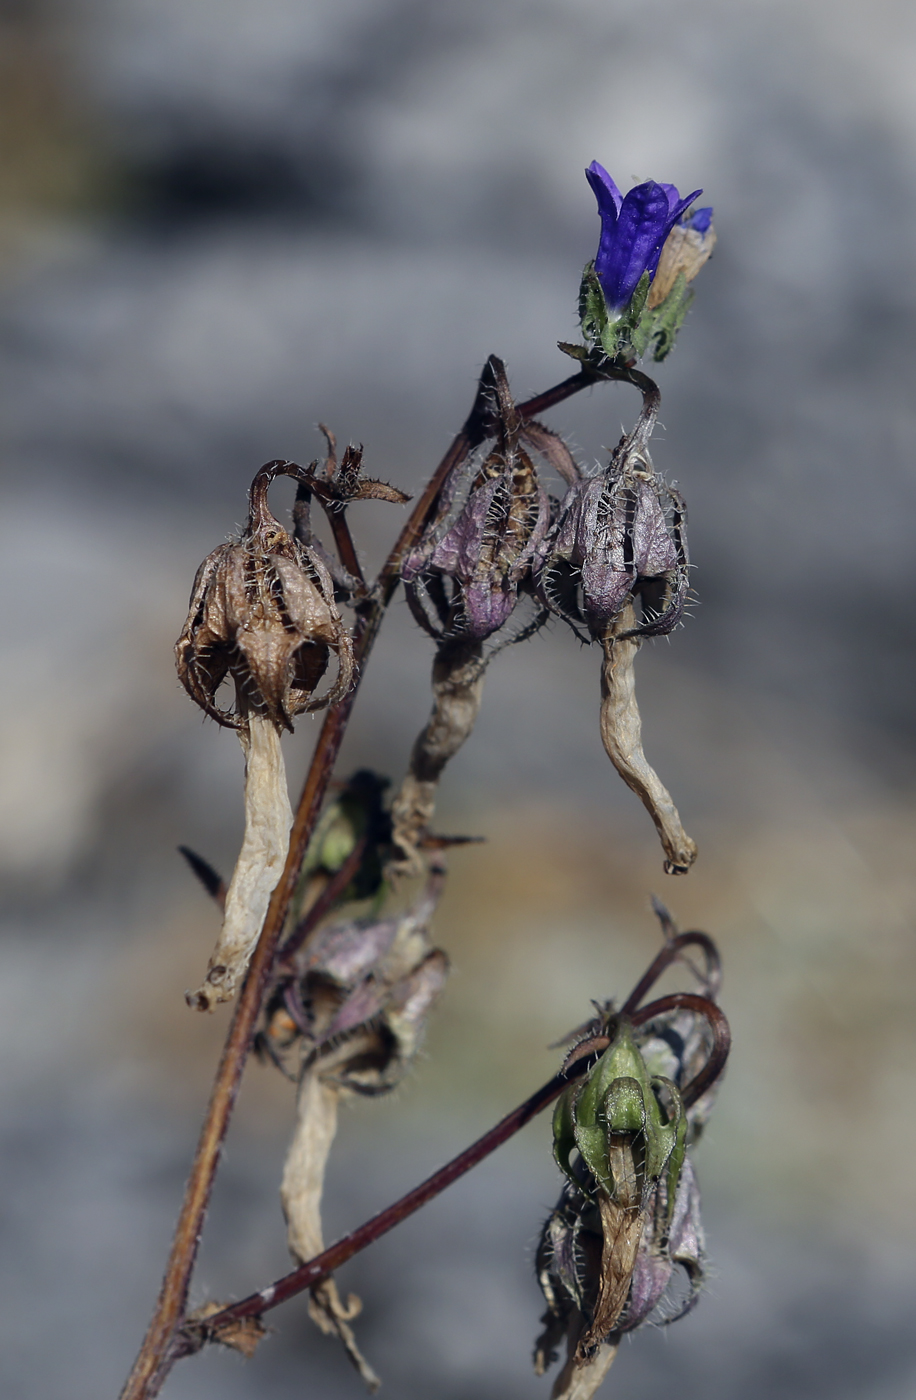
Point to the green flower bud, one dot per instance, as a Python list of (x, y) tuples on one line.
[(618, 1100)]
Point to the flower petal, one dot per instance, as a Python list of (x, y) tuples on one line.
[(700, 220), (641, 228), (605, 189)]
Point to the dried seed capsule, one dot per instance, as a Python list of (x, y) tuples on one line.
[(462, 578), (619, 535), (263, 612)]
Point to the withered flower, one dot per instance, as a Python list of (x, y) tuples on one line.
[(462, 580), (354, 1017), (620, 538), (263, 613), (462, 577)]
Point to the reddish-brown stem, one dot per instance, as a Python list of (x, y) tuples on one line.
[(722, 1037), (669, 954), (324, 1264), (314, 1270), (156, 1353), (346, 549)]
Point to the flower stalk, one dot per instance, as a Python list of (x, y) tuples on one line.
[(220, 1325), (157, 1353)]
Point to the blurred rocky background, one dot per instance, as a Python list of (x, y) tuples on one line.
[(223, 222)]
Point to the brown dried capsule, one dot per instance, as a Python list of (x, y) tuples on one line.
[(262, 611)]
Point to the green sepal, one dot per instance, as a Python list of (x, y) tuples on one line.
[(633, 313), (618, 1096), (663, 322), (678, 1128), (613, 1099), (632, 334), (577, 352), (564, 1136), (592, 305), (621, 1060)]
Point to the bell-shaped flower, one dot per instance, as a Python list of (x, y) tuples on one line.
[(634, 228)]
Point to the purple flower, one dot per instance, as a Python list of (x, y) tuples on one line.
[(633, 231)]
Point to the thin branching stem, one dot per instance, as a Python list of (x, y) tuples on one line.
[(310, 1273), (672, 952), (157, 1351), (324, 1264)]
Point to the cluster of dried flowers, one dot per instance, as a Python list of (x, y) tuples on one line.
[(629, 1214), (347, 1001), (609, 557)]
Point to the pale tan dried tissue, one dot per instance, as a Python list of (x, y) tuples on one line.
[(458, 674), (268, 818), (300, 1196), (621, 733)]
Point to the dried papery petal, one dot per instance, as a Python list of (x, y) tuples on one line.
[(622, 1223), (621, 734), (268, 818), (664, 1246), (581, 1377), (368, 988), (300, 1196), (458, 675), (686, 249)]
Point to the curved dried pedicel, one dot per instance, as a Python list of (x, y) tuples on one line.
[(268, 818), (263, 613), (621, 734), (457, 683)]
